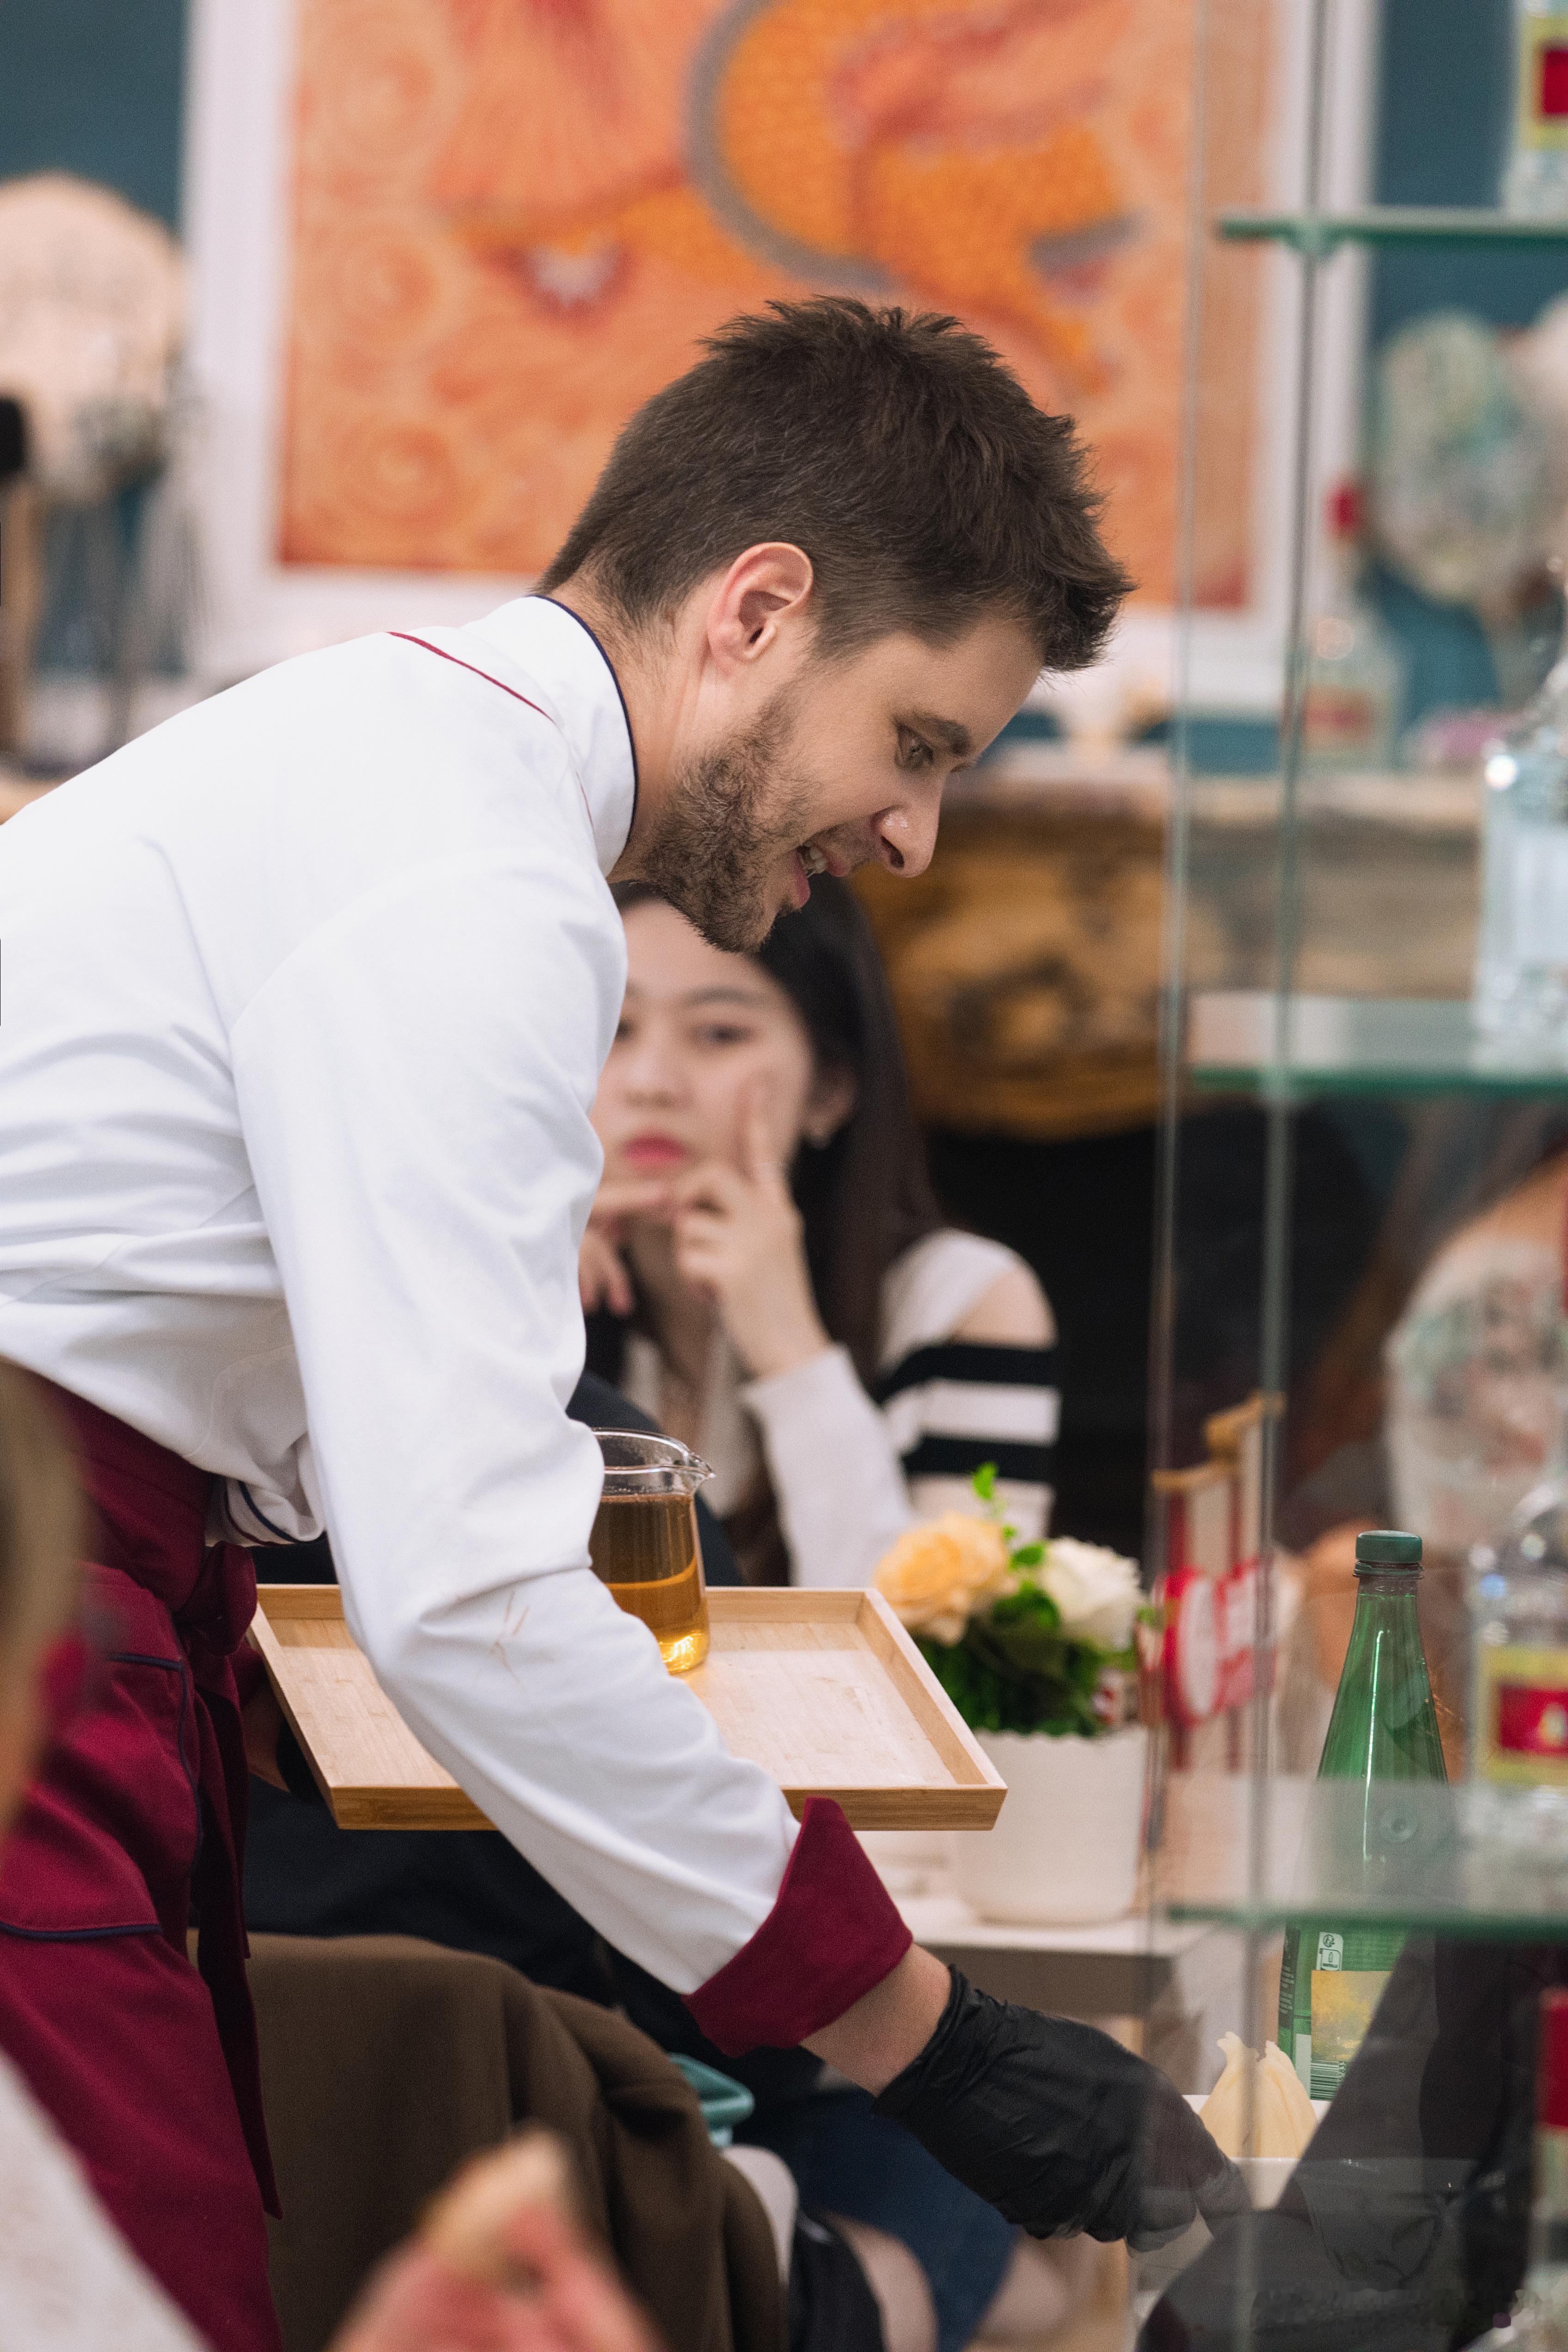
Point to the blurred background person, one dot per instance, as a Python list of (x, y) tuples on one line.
[(767, 1273), (1441, 1401)]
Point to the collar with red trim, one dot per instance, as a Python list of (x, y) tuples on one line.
[(580, 691)]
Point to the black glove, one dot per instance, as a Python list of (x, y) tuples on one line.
[(1058, 2126)]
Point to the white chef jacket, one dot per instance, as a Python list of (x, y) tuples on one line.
[(305, 998)]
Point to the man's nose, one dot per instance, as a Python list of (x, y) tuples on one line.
[(905, 836)]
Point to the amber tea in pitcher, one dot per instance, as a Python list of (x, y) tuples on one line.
[(644, 1541)]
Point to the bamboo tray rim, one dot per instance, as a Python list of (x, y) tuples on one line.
[(412, 1791)]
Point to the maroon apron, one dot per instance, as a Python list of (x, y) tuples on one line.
[(149, 2068)]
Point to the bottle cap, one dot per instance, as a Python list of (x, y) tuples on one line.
[(1387, 1548), (1552, 2060)]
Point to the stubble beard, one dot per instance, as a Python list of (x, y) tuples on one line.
[(729, 819)]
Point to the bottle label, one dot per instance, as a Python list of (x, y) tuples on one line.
[(1343, 2003), (1349, 1968), (1542, 81), (1521, 1716)]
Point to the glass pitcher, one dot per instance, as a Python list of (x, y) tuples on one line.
[(644, 1542)]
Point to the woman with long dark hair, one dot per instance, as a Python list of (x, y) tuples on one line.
[(767, 1272)]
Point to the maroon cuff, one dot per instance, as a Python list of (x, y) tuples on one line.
[(832, 1933)]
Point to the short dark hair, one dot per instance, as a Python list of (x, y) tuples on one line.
[(895, 448)]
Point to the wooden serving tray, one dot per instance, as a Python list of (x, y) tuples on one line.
[(823, 1690)]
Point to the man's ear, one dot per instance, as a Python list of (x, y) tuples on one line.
[(828, 1107), (765, 593)]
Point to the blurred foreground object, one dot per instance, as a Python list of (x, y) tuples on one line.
[(467, 2228), (500, 2265), (390, 2064)]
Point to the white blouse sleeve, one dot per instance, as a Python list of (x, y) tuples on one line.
[(850, 1474), (841, 1494), (415, 1082)]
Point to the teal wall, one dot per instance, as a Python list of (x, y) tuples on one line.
[(96, 87), (1445, 106)]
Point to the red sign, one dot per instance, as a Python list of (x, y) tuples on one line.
[(1554, 81), (1211, 1634), (1531, 1721)]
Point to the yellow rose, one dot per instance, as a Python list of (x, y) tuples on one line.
[(940, 1575)]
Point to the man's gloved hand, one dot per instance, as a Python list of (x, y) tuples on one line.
[(1058, 2126)]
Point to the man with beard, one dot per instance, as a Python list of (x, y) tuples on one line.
[(307, 994)]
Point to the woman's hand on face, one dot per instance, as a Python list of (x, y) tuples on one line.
[(738, 1236), (602, 1277)]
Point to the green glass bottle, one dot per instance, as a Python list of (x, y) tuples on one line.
[(1384, 1727)]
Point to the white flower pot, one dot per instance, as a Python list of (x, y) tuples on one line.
[(1066, 1847)]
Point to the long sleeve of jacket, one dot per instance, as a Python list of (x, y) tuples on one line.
[(425, 1163)]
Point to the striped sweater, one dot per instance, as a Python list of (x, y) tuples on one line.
[(852, 1470)]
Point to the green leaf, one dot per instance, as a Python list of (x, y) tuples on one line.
[(1029, 1555), (984, 1482), (1015, 1670)]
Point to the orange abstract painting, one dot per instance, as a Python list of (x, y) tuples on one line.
[(514, 219)]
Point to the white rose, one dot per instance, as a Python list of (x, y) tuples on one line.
[(1096, 1591)]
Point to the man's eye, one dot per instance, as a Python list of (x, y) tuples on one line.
[(914, 751)]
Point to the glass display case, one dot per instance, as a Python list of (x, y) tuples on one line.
[(1362, 1764)]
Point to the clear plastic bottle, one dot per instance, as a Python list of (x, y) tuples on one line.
[(1356, 673), (1522, 956), (1535, 184)]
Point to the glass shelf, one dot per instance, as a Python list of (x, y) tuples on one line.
[(1346, 1045), (1346, 1854), (1321, 234)]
